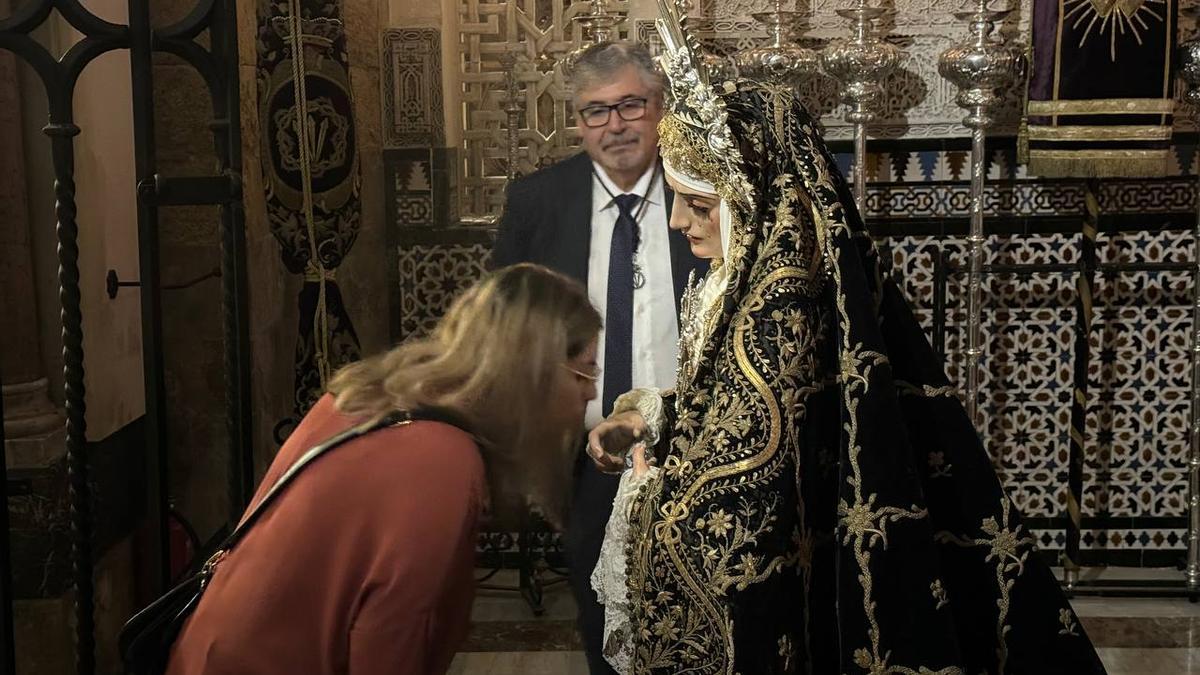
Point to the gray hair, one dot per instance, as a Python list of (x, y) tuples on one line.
[(600, 62)]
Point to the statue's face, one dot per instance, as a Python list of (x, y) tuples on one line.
[(698, 216), (624, 141)]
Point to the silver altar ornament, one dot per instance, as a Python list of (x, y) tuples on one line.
[(512, 147), (720, 68), (978, 67), (513, 110), (981, 65), (860, 64), (1188, 58), (598, 24), (717, 68), (782, 60)]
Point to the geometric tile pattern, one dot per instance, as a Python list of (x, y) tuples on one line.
[(1118, 538), (1138, 378), (408, 176), (1136, 436), (419, 187), (925, 162), (431, 276), (1028, 198)]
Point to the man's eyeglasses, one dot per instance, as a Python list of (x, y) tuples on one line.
[(593, 376), (598, 115)]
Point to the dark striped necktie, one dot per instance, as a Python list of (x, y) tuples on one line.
[(618, 320)]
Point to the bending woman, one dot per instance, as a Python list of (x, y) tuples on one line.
[(364, 563)]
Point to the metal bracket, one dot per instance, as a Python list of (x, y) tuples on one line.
[(113, 283), (191, 190)]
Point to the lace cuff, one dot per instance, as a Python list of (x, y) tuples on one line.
[(609, 578), (648, 402)]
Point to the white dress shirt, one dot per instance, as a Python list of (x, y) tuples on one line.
[(655, 326)]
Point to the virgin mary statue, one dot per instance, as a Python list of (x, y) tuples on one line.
[(821, 502)]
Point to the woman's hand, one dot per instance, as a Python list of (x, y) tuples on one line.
[(611, 439)]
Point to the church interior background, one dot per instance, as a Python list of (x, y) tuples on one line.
[(200, 314)]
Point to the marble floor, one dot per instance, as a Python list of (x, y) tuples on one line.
[(1134, 636)]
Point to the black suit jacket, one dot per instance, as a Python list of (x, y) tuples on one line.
[(548, 220)]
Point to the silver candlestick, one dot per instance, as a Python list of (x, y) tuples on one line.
[(599, 24), (782, 60), (1189, 70), (978, 66), (860, 64), (512, 110)]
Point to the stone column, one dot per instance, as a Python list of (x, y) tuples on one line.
[(33, 427)]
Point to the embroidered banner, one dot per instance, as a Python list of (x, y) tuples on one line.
[(1101, 92), (311, 177)]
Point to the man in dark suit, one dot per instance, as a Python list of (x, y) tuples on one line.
[(601, 217)]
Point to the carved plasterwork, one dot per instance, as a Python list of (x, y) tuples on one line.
[(539, 33), (920, 102), (412, 88)]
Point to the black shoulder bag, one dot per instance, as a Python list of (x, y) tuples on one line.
[(145, 640)]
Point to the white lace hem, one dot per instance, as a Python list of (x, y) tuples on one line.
[(608, 579)]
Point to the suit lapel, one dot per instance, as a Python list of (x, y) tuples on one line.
[(576, 206)]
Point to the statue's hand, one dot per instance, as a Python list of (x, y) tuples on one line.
[(610, 440), (640, 465)]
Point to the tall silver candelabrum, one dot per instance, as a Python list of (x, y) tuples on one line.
[(512, 110), (978, 66), (1189, 70), (599, 24), (782, 60), (860, 64)]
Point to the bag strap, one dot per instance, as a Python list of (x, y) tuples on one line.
[(393, 419)]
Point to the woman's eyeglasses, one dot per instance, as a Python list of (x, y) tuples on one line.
[(593, 376), (630, 109)]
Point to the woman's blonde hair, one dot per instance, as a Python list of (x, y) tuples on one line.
[(491, 362)]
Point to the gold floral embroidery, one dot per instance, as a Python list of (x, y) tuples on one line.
[(926, 391), (718, 524), (786, 651), (938, 468), (939, 593), (1067, 619), (865, 525), (1008, 548)]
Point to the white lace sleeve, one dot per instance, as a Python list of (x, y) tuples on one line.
[(649, 403), (608, 579)]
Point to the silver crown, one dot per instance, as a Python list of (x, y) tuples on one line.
[(693, 98), (696, 103)]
